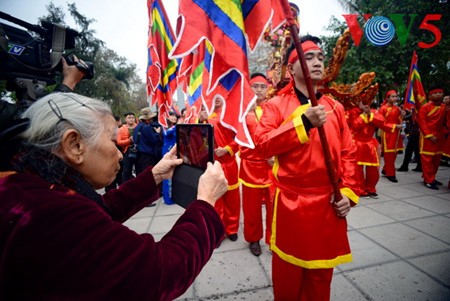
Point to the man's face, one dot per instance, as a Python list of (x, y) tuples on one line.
[(315, 63), (260, 90), (392, 99), (130, 119), (218, 103), (436, 97)]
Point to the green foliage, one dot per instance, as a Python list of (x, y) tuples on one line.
[(391, 63)]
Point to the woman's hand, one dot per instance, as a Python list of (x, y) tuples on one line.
[(212, 184), (164, 168)]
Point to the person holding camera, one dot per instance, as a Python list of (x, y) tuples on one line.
[(126, 143), (61, 240)]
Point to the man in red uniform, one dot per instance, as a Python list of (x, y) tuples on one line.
[(391, 139), (254, 175), (446, 151), (309, 230), (368, 156), (431, 122), (229, 205)]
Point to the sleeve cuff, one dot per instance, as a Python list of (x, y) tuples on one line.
[(350, 194)]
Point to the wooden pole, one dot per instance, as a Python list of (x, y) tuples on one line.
[(312, 96)]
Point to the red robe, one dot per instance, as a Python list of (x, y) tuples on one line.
[(431, 122), (229, 205), (446, 151), (254, 176), (391, 139), (306, 230), (363, 128)]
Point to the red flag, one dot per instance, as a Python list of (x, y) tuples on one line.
[(161, 71), (233, 89), (225, 24), (257, 15), (415, 95)]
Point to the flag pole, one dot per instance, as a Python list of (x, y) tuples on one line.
[(312, 96)]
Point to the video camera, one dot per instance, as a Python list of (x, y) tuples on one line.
[(30, 61)]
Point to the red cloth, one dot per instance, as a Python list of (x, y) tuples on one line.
[(254, 176), (431, 120), (229, 205), (446, 150), (293, 283), (306, 231), (58, 245), (391, 139), (368, 157)]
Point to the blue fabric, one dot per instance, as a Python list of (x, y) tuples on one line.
[(169, 139), (150, 141)]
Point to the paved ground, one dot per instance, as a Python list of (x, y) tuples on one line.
[(400, 244)]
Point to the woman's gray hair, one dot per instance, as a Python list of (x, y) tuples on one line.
[(51, 116)]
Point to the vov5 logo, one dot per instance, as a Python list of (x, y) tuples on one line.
[(380, 30)]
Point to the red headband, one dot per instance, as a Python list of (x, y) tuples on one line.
[(435, 91), (390, 92), (306, 46), (258, 79)]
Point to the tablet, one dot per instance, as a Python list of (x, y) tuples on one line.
[(195, 145)]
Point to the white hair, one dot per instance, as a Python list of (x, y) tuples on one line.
[(51, 116)]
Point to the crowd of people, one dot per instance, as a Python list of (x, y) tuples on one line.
[(64, 240)]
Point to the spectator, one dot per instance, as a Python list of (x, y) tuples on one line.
[(61, 240), (147, 137), (125, 142)]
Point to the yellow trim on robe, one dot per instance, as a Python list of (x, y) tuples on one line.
[(253, 185), (234, 186), (230, 151), (275, 167), (350, 194), (300, 130), (311, 264), (433, 111)]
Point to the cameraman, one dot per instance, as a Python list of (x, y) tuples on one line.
[(11, 123)]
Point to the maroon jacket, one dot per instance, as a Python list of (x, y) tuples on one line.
[(56, 244)]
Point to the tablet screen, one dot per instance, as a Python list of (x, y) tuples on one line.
[(195, 144)]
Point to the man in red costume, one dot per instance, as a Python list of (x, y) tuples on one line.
[(363, 128), (391, 139), (229, 205), (431, 122), (254, 175), (446, 151), (309, 230)]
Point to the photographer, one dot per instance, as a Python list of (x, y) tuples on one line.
[(61, 240)]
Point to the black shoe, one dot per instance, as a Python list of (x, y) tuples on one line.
[(373, 195), (365, 195), (393, 179), (233, 237), (151, 205), (402, 168), (383, 172), (431, 186), (417, 169), (437, 182), (255, 248)]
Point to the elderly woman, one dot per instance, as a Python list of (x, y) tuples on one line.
[(60, 240)]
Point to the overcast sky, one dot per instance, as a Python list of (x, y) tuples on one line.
[(122, 25)]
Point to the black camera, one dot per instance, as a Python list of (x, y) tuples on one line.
[(28, 58)]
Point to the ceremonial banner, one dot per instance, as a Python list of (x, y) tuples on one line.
[(161, 71), (195, 68), (415, 95), (223, 24)]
